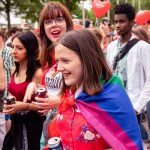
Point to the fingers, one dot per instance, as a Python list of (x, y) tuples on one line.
[(31, 89), (8, 110), (27, 97), (6, 106), (46, 103), (41, 100), (42, 105)]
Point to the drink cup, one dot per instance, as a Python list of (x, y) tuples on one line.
[(54, 143)]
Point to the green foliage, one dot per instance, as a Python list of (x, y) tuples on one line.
[(30, 9), (70, 4)]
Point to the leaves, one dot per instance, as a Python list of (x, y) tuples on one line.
[(30, 9)]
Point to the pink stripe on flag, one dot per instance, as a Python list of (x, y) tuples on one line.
[(107, 127)]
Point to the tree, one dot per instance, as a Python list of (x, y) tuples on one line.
[(5, 6), (70, 4), (30, 9)]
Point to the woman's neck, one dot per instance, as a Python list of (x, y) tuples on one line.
[(23, 65), (21, 76)]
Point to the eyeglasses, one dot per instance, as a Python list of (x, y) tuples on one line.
[(58, 21)]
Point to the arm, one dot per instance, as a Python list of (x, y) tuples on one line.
[(18, 106), (138, 74), (45, 104), (32, 87), (2, 76)]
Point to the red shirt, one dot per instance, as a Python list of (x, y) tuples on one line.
[(75, 132)]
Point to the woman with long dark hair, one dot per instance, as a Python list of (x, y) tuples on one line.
[(26, 126)]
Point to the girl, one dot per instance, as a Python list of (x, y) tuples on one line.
[(96, 110), (54, 21), (26, 127)]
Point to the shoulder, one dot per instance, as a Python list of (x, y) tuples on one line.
[(8, 49), (116, 80), (142, 44), (38, 75), (7, 52), (141, 47)]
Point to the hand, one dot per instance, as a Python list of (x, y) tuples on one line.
[(45, 104), (13, 108), (104, 29), (31, 89)]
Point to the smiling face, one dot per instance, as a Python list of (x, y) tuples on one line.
[(70, 64), (54, 28), (122, 24), (19, 52)]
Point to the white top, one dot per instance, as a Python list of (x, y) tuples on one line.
[(138, 72), (53, 81)]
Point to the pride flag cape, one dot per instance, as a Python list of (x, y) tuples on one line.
[(111, 113)]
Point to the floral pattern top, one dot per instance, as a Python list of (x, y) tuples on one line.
[(75, 132)]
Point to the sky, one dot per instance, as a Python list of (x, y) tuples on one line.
[(88, 4)]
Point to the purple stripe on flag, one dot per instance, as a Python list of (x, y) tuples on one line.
[(107, 127)]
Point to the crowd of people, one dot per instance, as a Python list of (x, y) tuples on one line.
[(96, 80)]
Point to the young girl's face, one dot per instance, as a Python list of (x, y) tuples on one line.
[(54, 28), (19, 52), (70, 64)]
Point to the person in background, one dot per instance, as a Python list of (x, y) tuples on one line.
[(8, 63), (54, 21), (6, 53), (2, 71), (141, 34), (87, 23), (2, 89), (2, 76), (129, 58), (95, 105), (12, 31), (106, 31), (146, 27), (99, 36), (26, 126)]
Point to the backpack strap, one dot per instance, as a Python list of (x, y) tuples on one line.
[(124, 51)]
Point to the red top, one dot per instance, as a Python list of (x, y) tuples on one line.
[(18, 90), (75, 132), (46, 68)]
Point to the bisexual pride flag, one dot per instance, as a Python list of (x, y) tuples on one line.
[(111, 113)]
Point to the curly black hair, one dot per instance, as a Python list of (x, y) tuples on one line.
[(126, 9)]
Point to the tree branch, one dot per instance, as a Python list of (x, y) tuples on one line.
[(3, 2)]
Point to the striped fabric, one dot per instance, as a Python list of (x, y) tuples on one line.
[(111, 113)]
